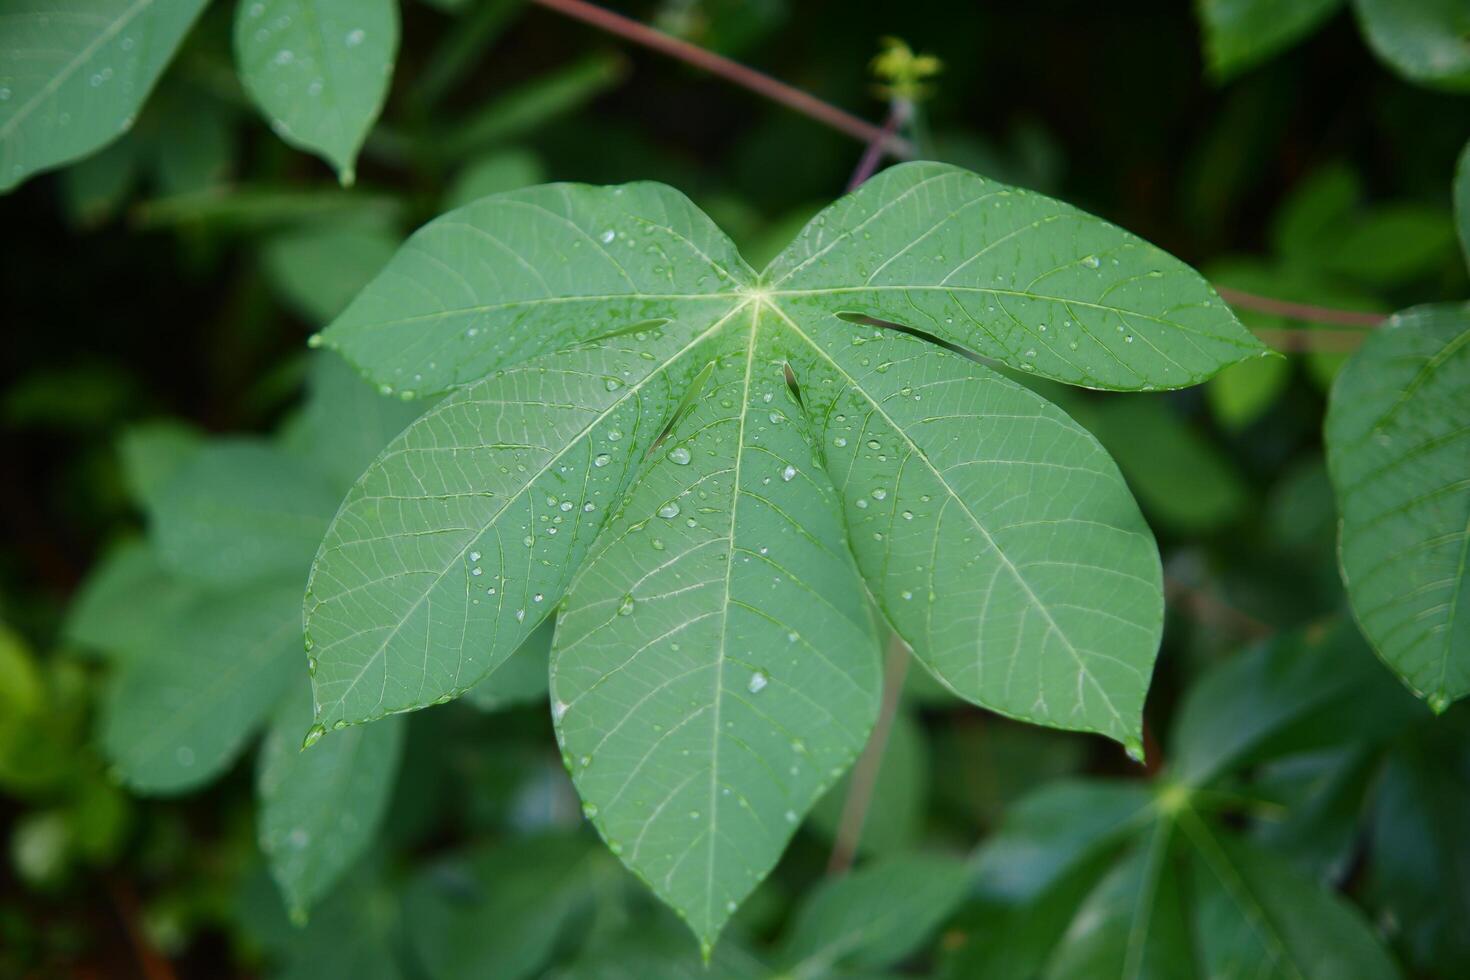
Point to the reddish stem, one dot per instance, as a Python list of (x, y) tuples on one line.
[(1298, 311), (715, 64)]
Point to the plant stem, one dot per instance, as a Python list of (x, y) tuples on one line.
[(1298, 311), (865, 772), (872, 156), (762, 84)]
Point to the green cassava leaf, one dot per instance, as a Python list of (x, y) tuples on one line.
[(320, 809), (873, 917), (705, 468), (716, 668), (497, 911), (74, 74), (319, 70), (178, 713), (1397, 433), (1240, 34), (1242, 393), (1426, 41), (239, 510), (1022, 278)]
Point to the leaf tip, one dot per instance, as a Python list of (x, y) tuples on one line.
[(1133, 745), (1439, 702), (313, 735)]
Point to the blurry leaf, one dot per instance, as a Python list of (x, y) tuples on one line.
[(875, 916), (1181, 478), (1136, 922), (319, 70), (1462, 200), (993, 765), (345, 423), (726, 26), (239, 510), (1055, 830), (1420, 857), (22, 696), (1254, 916), (1293, 693), (1426, 41), (318, 271), (321, 807), (494, 173), (1316, 206), (80, 397), (462, 48), (659, 950), (175, 717), (1397, 433), (126, 595), (95, 188), (87, 69), (193, 147), (1243, 392), (1388, 245), (521, 679), (245, 208), (531, 105), (497, 911), (896, 810), (1319, 827), (1242, 33), (151, 454), (354, 935)]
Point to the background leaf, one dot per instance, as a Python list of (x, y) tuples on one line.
[(319, 70), (1423, 40), (1396, 433), (74, 75), (320, 809)]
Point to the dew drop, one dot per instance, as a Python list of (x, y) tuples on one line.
[(788, 473), (602, 459), (758, 682), (679, 456), (625, 608), (669, 510)]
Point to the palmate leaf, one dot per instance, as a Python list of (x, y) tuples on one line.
[(706, 469), (318, 69), (1398, 437), (74, 74)]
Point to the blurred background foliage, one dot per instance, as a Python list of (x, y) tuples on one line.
[(162, 290)]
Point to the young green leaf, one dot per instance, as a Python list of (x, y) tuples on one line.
[(73, 75), (874, 917), (1398, 433), (175, 716), (319, 70), (1240, 34), (1426, 41), (125, 596), (320, 809)]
